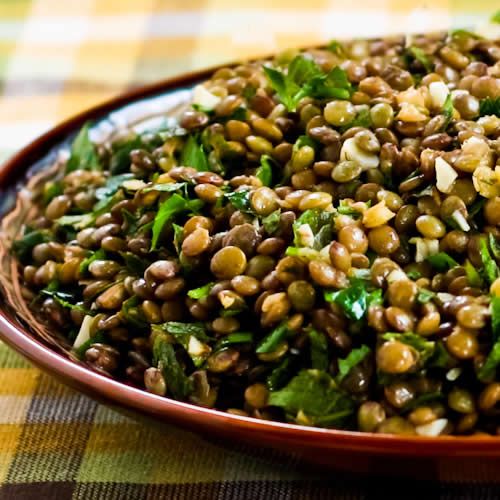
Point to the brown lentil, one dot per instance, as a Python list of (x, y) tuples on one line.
[(353, 238), (462, 344), (228, 262), (383, 240), (395, 357)]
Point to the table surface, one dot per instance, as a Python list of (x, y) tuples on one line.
[(58, 58)]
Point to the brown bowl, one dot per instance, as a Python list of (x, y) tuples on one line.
[(446, 458)]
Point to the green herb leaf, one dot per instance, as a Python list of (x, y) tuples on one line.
[(320, 223), (375, 298), (179, 385), (201, 292), (278, 82), (171, 207), (495, 318), (103, 206), (113, 184), (204, 109), (271, 222), (414, 274), (305, 78), (335, 85), (303, 253), (234, 338), (323, 237), (301, 69), (488, 370), (447, 111), (461, 34), (53, 286), (354, 300), (240, 200), (319, 350), (494, 246), (23, 247), (80, 221), (271, 341), (314, 393), (185, 330), (265, 172), (166, 187), (311, 217), (344, 209), (337, 48), (425, 296), (63, 299), (355, 357), (305, 140), (51, 190), (178, 237), (489, 106), (194, 155), (495, 18), (490, 267), (473, 276), (83, 153), (83, 221), (282, 374), (442, 261), (182, 332)]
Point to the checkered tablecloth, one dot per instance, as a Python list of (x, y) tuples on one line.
[(58, 57)]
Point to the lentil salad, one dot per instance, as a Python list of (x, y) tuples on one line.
[(317, 242)]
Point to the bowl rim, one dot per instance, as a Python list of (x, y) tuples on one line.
[(185, 414)]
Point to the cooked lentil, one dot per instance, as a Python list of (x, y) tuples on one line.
[(318, 243)]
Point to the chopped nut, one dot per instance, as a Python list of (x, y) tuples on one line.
[(445, 175), (202, 97), (134, 185), (475, 153), (411, 113), (486, 182), (197, 348), (351, 151), (439, 92), (434, 428), (377, 215), (425, 248), (411, 96)]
